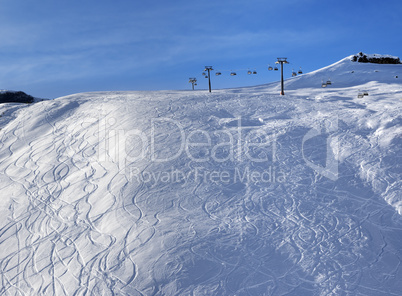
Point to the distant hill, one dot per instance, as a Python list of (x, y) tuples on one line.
[(346, 73), (15, 97)]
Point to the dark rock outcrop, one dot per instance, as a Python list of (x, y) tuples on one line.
[(375, 59), (15, 97)]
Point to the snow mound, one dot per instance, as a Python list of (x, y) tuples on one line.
[(346, 73), (237, 192)]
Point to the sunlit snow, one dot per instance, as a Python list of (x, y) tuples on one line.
[(237, 192)]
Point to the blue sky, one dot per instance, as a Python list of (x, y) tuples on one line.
[(53, 48)]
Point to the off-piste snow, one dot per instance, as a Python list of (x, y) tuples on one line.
[(235, 192)]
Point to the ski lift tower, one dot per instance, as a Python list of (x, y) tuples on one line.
[(209, 68), (193, 81), (282, 61)]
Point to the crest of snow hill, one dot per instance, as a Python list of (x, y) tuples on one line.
[(375, 59), (7, 96)]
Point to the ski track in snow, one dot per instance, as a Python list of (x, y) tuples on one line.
[(75, 222)]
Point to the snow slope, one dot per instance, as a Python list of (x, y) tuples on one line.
[(237, 192)]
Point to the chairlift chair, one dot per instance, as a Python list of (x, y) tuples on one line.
[(270, 68), (300, 71), (294, 73), (323, 84), (218, 73), (203, 73), (255, 72), (276, 69), (248, 72), (233, 74), (329, 82)]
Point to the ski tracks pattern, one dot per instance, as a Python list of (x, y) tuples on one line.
[(76, 225)]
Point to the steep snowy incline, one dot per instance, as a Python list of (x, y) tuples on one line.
[(238, 192), (346, 73)]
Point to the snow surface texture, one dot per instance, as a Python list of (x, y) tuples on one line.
[(237, 192)]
